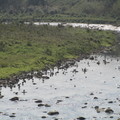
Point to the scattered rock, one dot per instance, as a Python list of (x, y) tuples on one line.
[(98, 63), (111, 117), (67, 97), (58, 101), (14, 99), (45, 77), (74, 85), (34, 83), (44, 111), (12, 116), (81, 118), (91, 94), (38, 74), (1, 96), (24, 92), (46, 105), (95, 97), (1, 112), (55, 119), (74, 71), (110, 102), (96, 107), (84, 107), (84, 70), (91, 58), (109, 111), (43, 117), (98, 110), (53, 113), (40, 105), (38, 101), (16, 93)]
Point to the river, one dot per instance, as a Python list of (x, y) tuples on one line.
[(82, 25), (85, 90)]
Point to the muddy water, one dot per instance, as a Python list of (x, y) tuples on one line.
[(73, 93)]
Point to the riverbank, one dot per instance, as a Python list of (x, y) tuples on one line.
[(25, 48), (68, 94)]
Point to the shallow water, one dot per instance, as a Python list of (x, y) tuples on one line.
[(82, 25), (75, 88)]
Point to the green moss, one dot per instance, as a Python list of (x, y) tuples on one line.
[(30, 47)]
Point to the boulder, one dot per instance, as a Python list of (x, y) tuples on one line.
[(53, 113), (14, 99), (40, 105), (43, 117), (109, 111), (81, 118), (38, 101)]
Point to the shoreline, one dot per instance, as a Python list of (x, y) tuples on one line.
[(61, 64), (58, 61)]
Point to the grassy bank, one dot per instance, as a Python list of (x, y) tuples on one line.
[(60, 18), (29, 47)]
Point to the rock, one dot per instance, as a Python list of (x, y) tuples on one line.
[(43, 117), (14, 99), (81, 118), (53, 113), (98, 63), (34, 83), (45, 77), (67, 97), (84, 107), (44, 111), (111, 117), (98, 110), (91, 58), (1, 96), (40, 105), (38, 101), (110, 102), (38, 74), (95, 97), (109, 111), (58, 101), (12, 116), (24, 92), (96, 107), (74, 71), (91, 94), (46, 105)]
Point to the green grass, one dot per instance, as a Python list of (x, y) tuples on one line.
[(30, 47)]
